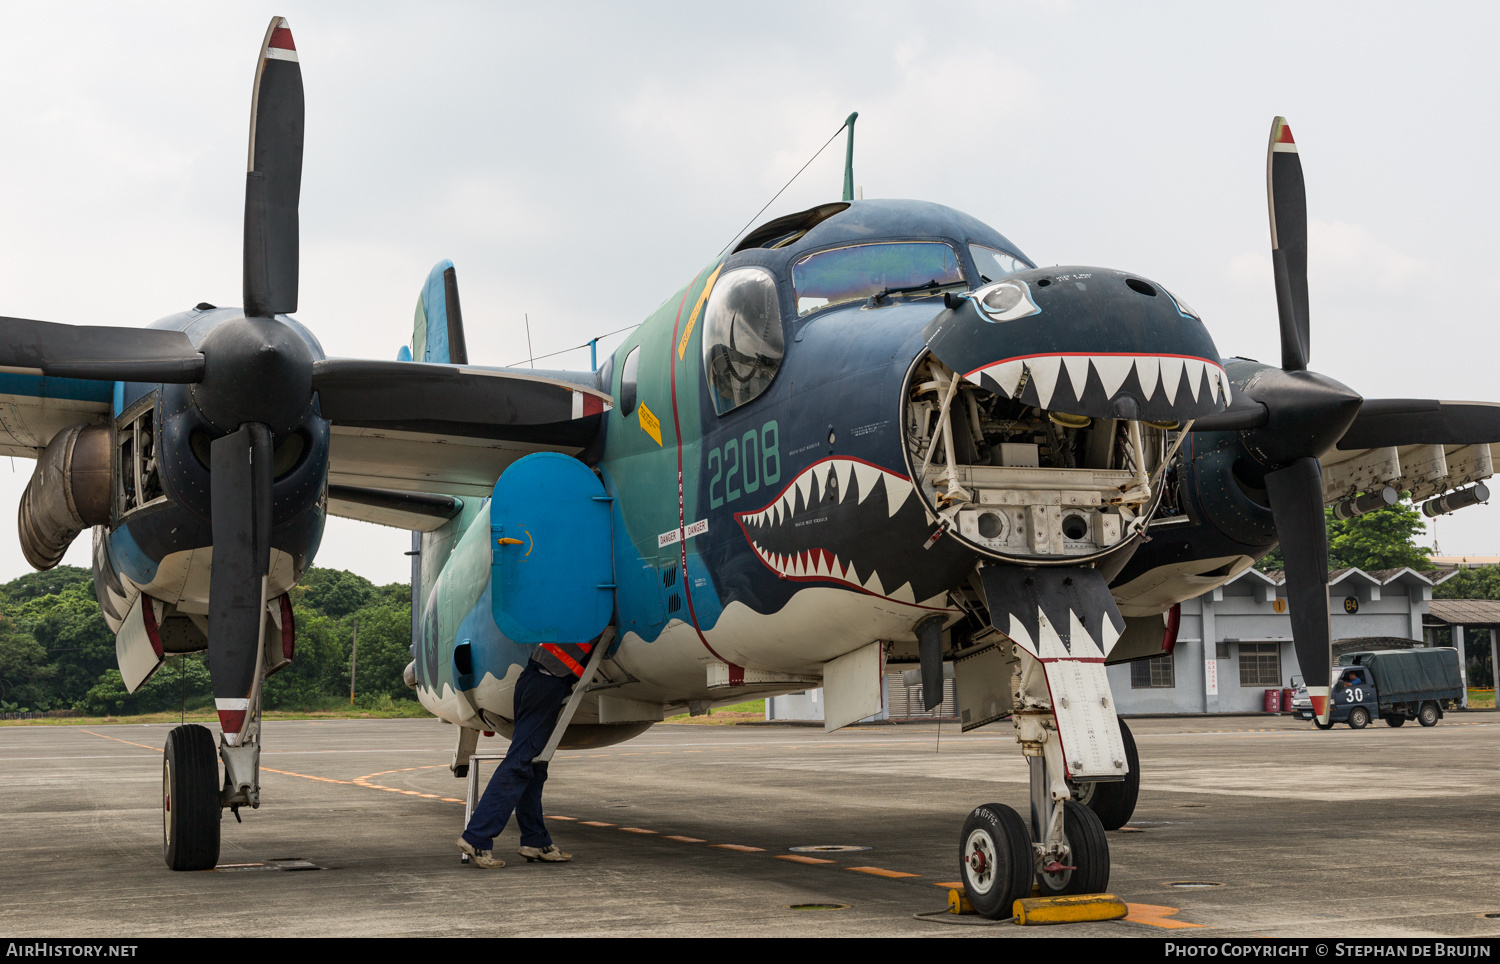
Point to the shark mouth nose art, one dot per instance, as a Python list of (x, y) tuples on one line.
[(838, 521), (1103, 375)]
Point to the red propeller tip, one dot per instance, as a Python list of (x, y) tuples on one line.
[(1284, 136), (1319, 705), (281, 38)]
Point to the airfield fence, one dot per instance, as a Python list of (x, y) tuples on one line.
[(38, 714)]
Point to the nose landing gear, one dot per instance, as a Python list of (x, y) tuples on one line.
[(995, 859)]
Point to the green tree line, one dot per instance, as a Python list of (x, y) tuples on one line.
[(56, 652)]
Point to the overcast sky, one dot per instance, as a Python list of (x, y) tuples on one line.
[(579, 162)]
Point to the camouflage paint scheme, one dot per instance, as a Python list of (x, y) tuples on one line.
[(826, 442)]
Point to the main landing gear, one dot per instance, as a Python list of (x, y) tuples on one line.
[(193, 798), (190, 799)]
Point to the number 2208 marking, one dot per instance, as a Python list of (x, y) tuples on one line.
[(742, 465)]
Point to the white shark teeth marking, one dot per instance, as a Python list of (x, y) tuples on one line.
[(1194, 369), (1078, 372), (1108, 635), (1147, 370), (1044, 370), (867, 475), (805, 483), (873, 584), (896, 493), (1112, 371), (1017, 632), (1213, 382), (845, 470), (1007, 375), (1171, 377), (1223, 378), (905, 594)]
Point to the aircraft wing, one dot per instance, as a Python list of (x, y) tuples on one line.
[(1424, 446), (33, 408), (446, 429)]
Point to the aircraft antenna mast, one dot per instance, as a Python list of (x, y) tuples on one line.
[(849, 158)]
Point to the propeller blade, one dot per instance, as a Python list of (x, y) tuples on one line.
[(426, 397), (1383, 422), (1242, 413), (241, 504), (1288, 205), (98, 352), (273, 183), (1296, 494)]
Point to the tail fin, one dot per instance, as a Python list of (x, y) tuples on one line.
[(438, 328)]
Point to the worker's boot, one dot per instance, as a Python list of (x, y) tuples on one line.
[(548, 854), (483, 859)]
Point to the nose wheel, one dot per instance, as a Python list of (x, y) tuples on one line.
[(995, 859)]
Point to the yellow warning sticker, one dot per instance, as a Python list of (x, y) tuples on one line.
[(650, 424), (708, 287)]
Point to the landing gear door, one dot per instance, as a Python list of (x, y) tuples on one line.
[(552, 571)]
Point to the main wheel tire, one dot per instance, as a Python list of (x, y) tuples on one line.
[(190, 799), (995, 860), (1394, 720), (1428, 715), (1114, 803), (1359, 718), (1090, 855), (1321, 725)]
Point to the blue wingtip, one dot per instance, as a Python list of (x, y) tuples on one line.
[(404, 354)]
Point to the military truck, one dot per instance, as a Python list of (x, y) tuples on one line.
[(1395, 685)]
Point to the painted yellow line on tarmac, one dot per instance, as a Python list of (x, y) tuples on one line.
[(679, 839), (636, 830), (799, 859), (882, 872), (739, 848), (595, 823), (1156, 916)]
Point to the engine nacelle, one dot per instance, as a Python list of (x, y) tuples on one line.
[(68, 492)]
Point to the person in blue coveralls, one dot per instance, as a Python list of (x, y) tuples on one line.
[(516, 785)]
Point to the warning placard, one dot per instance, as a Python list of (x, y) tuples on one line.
[(650, 424)]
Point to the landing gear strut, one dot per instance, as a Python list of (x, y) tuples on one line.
[(190, 799)]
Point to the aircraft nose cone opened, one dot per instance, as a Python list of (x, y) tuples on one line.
[(872, 434)]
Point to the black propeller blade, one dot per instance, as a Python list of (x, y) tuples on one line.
[(86, 351), (1296, 494), (273, 184), (241, 501), (1288, 205), (1290, 417), (1385, 422)]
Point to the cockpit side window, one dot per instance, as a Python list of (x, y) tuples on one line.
[(841, 275), (628, 376), (742, 337), (994, 264)]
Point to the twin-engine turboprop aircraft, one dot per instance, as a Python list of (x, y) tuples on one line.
[(874, 433)]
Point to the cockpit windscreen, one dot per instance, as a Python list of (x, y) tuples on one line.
[(841, 275), (994, 264)]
